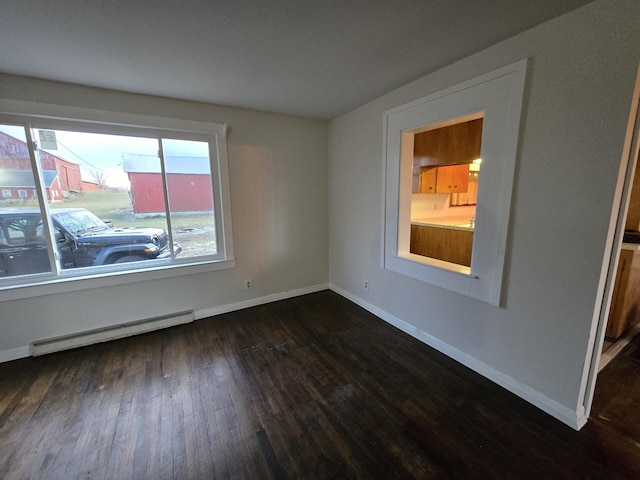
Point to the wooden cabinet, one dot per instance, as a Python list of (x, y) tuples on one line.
[(453, 179), (448, 244), (625, 302), (449, 179), (428, 176), (453, 144), (633, 215)]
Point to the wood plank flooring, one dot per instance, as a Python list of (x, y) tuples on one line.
[(312, 387), (616, 404)]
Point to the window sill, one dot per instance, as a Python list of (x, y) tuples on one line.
[(77, 283), (441, 264)]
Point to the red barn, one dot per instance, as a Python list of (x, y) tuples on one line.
[(71, 177), (16, 179), (69, 174), (188, 183), (90, 186)]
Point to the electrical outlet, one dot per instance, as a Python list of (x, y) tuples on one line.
[(248, 284), (366, 285)]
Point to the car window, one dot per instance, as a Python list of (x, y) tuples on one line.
[(21, 230), (79, 222)]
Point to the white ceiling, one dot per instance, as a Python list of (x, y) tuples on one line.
[(311, 58)]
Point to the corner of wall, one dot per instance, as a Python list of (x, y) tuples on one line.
[(574, 419)]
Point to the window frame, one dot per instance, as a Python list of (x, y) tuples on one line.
[(44, 116), (498, 95)]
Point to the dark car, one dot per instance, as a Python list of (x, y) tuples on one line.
[(82, 240)]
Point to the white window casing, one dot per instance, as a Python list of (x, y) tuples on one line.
[(498, 97), (89, 120)]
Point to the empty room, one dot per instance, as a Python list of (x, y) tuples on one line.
[(282, 240)]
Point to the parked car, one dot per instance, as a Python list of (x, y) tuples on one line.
[(82, 240)]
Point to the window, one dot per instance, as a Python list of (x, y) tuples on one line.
[(110, 199), (23, 229), (496, 99), (446, 166)]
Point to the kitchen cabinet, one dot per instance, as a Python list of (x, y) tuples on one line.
[(625, 301), (428, 176), (452, 148), (449, 179), (448, 244), (633, 214), (453, 179), (453, 144)]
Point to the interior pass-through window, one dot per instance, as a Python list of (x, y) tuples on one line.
[(450, 160)]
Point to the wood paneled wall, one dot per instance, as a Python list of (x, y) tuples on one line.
[(459, 143), (448, 244)]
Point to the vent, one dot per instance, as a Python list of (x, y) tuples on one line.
[(109, 333)]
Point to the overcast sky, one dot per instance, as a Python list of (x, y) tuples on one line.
[(94, 151)]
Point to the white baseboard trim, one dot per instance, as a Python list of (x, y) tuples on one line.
[(25, 351), (253, 302), (574, 419), (14, 354)]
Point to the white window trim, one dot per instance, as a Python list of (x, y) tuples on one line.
[(126, 123), (498, 95)]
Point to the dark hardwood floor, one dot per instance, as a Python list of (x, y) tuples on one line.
[(616, 403), (312, 387)]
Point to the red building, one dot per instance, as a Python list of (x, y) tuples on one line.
[(69, 174), (71, 177), (90, 186), (16, 176), (188, 183)]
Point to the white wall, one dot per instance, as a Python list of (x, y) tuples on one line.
[(278, 176), (577, 99)]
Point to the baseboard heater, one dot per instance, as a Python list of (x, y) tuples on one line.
[(106, 334)]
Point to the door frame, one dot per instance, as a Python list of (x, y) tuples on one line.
[(613, 244)]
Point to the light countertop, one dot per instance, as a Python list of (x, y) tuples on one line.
[(458, 223)]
